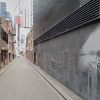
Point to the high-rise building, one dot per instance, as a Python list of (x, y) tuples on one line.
[(3, 11), (17, 31), (31, 13), (8, 15), (22, 20), (2, 6), (67, 43)]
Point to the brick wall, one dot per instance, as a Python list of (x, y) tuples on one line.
[(29, 45), (3, 21)]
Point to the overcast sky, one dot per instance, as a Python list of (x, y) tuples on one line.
[(11, 5)]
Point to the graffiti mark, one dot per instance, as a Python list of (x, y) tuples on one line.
[(60, 64), (96, 63), (53, 63), (93, 65)]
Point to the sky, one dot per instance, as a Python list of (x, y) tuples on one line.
[(11, 5)]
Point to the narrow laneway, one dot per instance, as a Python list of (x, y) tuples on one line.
[(21, 82)]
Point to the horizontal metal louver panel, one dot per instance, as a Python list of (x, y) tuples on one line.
[(87, 13)]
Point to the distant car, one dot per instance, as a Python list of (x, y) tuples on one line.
[(18, 56)]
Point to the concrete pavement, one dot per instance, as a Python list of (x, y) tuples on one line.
[(2, 70), (21, 82), (60, 88)]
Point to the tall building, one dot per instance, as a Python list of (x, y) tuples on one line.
[(3, 11), (67, 43), (2, 6), (21, 15), (31, 13), (17, 31), (23, 35), (8, 15)]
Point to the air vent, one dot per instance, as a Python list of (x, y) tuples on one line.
[(83, 15)]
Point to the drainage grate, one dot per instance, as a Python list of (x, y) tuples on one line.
[(83, 15)]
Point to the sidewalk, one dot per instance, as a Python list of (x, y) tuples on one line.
[(61, 89), (2, 70)]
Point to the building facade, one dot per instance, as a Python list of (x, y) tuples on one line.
[(30, 46), (10, 38), (31, 13), (8, 15), (3, 11), (17, 32), (2, 6), (23, 35), (6, 42), (3, 42), (66, 43)]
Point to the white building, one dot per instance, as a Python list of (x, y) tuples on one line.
[(17, 39), (23, 34), (31, 13)]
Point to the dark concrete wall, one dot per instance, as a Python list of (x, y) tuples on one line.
[(47, 13), (74, 57), (74, 60)]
